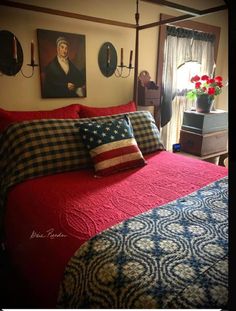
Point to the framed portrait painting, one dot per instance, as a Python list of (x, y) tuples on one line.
[(62, 64)]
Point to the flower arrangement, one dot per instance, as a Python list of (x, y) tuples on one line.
[(205, 85)]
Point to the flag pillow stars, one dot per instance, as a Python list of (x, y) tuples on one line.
[(111, 145)]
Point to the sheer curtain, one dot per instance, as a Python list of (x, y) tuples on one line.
[(171, 132), (181, 46)]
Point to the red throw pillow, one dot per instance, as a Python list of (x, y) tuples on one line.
[(89, 112), (9, 117)]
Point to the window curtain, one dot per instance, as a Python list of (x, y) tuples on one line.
[(170, 133), (181, 45)]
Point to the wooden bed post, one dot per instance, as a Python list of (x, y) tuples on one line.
[(135, 95)]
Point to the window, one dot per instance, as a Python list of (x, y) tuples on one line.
[(185, 49), (184, 74)]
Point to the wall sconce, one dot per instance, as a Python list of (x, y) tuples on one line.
[(107, 61), (120, 69), (32, 61), (11, 55)]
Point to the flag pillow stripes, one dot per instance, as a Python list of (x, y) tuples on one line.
[(111, 145)]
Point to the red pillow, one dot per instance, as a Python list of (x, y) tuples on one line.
[(9, 117), (88, 112)]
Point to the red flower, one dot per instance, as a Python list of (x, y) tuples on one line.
[(206, 85), (205, 77), (195, 78), (211, 90), (218, 79), (197, 85)]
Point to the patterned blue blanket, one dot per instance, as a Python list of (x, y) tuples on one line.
[(173, 256)]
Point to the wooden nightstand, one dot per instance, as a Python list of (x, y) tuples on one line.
[(204, 135), (204, 145)]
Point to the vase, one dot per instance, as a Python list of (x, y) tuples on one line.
[(204, 103)]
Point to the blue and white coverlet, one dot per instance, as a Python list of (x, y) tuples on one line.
[(173, 256)]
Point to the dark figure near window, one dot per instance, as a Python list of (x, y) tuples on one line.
[(62, 77)]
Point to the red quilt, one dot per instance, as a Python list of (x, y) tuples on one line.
[(48, 218)]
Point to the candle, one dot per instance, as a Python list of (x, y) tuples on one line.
[(108, 56), (130, 59), (121, 57), (32, 52), (15, 48)]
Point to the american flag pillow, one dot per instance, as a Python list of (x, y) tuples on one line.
[(111, 145)]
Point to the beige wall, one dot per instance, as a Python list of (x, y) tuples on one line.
[(19, 93)]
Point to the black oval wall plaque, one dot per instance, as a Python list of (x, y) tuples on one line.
[(107, 59), (8, 64)]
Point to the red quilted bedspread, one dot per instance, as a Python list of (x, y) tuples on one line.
[(49, 217)]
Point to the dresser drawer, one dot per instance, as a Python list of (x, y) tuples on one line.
[(203, 144), (152, 102)]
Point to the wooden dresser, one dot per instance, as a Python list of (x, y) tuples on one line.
[(148, 96), (204, 135)]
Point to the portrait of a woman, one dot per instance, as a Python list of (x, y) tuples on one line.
[(62, 74)]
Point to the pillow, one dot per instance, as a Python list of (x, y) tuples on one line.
[(111, 145), (144, 127), (36, 148), (9, 117), (88, 112)]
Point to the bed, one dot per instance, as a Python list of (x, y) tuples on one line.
[(148, 236)]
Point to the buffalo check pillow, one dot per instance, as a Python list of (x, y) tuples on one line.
[(111, 145)]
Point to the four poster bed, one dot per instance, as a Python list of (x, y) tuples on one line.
[(92, 221)]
